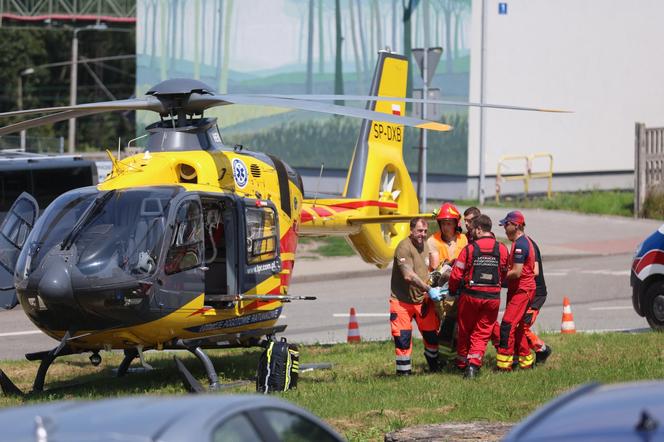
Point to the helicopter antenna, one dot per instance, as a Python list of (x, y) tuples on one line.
[(134, 139), (322, 165)]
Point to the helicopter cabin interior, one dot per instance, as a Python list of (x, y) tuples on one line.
[(232, 264)]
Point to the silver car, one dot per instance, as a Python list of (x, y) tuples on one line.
[(213, 418)]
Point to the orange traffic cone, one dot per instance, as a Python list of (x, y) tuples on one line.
[(567, 324), (353, 327)]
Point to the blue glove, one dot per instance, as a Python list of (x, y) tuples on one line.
[(435, 294)]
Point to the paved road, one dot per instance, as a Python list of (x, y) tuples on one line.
[(597, 286)]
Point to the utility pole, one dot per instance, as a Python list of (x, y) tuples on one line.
[(425, 94), (73, 80), (19, 92), (73, 85), (480, 186)]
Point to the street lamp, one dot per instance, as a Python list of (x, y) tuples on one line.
[(73, 79), (19, 92)]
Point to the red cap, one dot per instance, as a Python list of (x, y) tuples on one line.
[(514, 217)]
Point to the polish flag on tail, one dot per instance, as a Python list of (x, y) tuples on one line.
[(396, 109)]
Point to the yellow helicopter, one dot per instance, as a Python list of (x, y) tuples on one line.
[(191, 244)]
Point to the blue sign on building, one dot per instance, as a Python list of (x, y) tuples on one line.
[(502, 8)]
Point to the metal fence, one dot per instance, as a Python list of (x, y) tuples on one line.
[(648, 162), (528, 173)]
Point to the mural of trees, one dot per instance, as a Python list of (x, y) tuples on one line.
[(296, 46)]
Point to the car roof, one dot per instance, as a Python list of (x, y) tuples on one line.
[(137, 418), (596, 412)]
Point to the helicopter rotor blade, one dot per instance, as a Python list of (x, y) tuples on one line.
[(197, 103), (328, 97), (260, 100), (148, 103), (80, 110)]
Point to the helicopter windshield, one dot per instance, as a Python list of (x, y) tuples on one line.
[(117, 229)]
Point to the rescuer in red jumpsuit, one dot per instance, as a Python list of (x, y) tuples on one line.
[(520, 293), (409, 299), (542, 350), (478, 273)]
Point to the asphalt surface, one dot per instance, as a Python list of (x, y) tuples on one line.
[(586, 258)]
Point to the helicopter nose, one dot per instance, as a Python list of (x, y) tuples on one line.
[(55, 285)]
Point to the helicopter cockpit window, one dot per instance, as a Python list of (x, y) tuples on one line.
[(261, 234), (187, 244), (106, 232)]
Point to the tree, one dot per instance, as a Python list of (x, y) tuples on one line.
[(321, 43), (379, 35), (408, 8), (447, 6), (310, 49), (223, 81), (461, 7), (46, 87), (356, 50), (360, 26), (338, 63)]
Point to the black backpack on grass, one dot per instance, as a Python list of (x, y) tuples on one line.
[(278, 367)]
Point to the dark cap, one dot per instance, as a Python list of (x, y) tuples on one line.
[(514, 217)]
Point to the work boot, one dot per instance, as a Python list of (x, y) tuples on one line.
[(434, 364), (471, 371), (542, 355)]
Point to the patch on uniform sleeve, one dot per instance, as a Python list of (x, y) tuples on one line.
[(460, 264), (518, 251)]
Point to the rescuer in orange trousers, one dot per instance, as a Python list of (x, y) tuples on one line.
[(409, 299)]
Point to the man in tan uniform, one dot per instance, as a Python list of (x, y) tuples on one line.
[(409, 299)]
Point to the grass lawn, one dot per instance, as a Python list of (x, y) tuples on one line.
[(361, 397), (610, 202)]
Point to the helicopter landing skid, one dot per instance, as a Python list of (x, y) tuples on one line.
[(46, 358)]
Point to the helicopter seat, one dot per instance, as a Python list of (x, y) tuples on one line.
[(143, 245)]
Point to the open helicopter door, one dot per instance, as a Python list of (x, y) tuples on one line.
[(14, 230), (184, 264), (260, 261)]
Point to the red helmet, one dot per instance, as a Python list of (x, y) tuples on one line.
[(448, 211)]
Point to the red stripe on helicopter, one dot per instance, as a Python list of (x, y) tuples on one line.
[(200, 311), (322, 212), (286, 276), (373, 203), (288, 242), (305, 216)]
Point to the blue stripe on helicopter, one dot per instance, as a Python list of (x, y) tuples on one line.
[(237, 322)]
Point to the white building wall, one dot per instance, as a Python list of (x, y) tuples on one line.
[(602, 59)]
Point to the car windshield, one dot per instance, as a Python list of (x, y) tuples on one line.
[(122, 228)]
